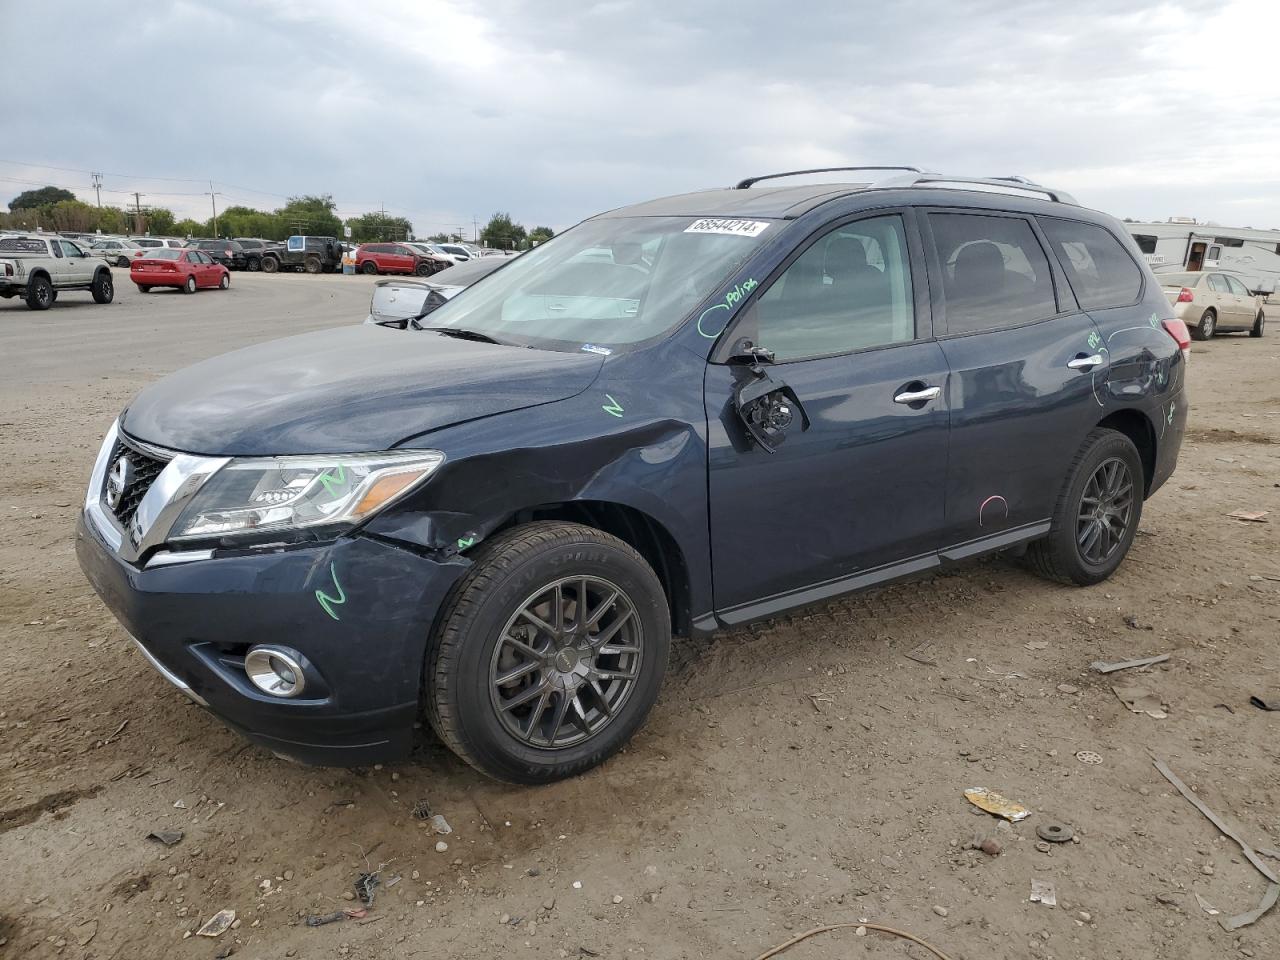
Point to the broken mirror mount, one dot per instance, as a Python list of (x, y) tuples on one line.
[(767, 406)]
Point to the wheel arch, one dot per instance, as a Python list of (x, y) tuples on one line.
[(639, 530), (1137, 426)]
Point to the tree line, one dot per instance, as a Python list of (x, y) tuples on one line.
[(56, 209)]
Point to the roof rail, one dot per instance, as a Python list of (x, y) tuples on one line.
[(1013, 186), (744, 184)]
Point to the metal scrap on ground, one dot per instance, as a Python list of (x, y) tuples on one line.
[(1273, 890), (1104, 667), (1141, 700), (218, 924), (1253, 516)]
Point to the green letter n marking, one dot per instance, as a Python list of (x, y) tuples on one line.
[(613, 407), (329, 602), (331, 480)]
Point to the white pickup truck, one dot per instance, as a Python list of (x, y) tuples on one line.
[(38, 268)]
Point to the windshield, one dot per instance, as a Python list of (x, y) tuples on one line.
[(608, 282)]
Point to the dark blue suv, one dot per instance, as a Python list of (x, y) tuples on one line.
[(676, 416)]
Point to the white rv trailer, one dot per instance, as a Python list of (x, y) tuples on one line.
[(1184, 245)]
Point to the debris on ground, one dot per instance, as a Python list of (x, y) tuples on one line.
[(860, 928), (1042, 891), (924, 653), (1252, 516), (167, 837), (218, 924), (422, 809), (86, 932), (1273, 890), (1206, 906), (440, 825), (992, 802), (1133, 623), (319, 920), (1141, 700), (365, 884), (1267, 703), (1055, 832), (1104, 667)]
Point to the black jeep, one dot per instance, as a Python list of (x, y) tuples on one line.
[(312, 254)]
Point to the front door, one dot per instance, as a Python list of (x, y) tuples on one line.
[(1024, 359), (857, 495)]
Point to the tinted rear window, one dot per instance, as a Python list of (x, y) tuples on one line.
[(994, 272), (1099, 270), (163, 253), (20, 243)]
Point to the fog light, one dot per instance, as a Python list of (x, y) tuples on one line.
[(275, 671)]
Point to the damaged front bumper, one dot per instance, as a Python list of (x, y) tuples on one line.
[(358, 611)]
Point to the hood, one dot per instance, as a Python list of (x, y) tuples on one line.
[(347, 390)]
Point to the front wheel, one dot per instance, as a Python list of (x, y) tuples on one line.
[(1259, 323), (550, 653), (1097, 514), (1204, 329), (253, 265), (225, 281), (422, 269)]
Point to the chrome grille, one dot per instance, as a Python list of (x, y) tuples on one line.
[(145, 470)]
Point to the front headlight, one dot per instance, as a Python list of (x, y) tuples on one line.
[(262, 495)]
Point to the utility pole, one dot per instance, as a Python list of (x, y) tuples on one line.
[(137, 217), (475, 229), (213, 195), (97, 187)]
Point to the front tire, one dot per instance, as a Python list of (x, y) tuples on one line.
[(253, 264), (225, 281), (1206, 327), (550, 653), (103, 290), (1097, 514), (311, 265), (1259, 324), (39, 293), (422, 269)]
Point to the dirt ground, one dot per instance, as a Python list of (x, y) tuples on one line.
[(801, 772)]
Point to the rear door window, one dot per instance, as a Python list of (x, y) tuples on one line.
[(994, 272), (1218, 283), (1101, 273)]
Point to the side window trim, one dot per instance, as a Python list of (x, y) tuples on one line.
[(1053, 257), (1065, 307), (918, 278)]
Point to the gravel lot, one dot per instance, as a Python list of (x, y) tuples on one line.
[(801, 772)]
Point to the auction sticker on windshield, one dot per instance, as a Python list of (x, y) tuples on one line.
[(737, 228)]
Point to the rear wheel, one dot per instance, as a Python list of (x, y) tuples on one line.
[(1097, 514), (369, 267), (1204, 329), (190, 285), (122, 262), (40, 295), (550, 653), (270, 264), (311, 264), (1259, 324), (103, 289)]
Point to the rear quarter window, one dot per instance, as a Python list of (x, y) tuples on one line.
[(1100, 271)]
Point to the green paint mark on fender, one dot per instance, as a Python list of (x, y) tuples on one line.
[(1154, 321), (329, 602), (1171, 408), (731, 299), (332, 482), (613, 407), (466, 542), (1095, 341)]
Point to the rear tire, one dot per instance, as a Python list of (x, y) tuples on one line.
[(122, 263), (369, 267), (190, 285), (104, 291), (1206, 327), (311, 264), (40, 294), (270, 264), (591, 714), (1064, 554), (1259, 324)]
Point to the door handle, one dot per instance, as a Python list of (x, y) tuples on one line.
[(1085, 363), (918, 396)]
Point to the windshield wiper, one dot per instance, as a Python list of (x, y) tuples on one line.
[(463, 334)]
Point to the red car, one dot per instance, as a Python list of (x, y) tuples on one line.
[(188, 270), (394, 258)]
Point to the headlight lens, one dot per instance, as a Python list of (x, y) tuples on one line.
[(259, 496)]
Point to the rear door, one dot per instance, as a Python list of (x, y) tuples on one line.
[(1023, 359), (858, 495)]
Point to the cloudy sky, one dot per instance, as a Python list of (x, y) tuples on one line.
[(444, 111)]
